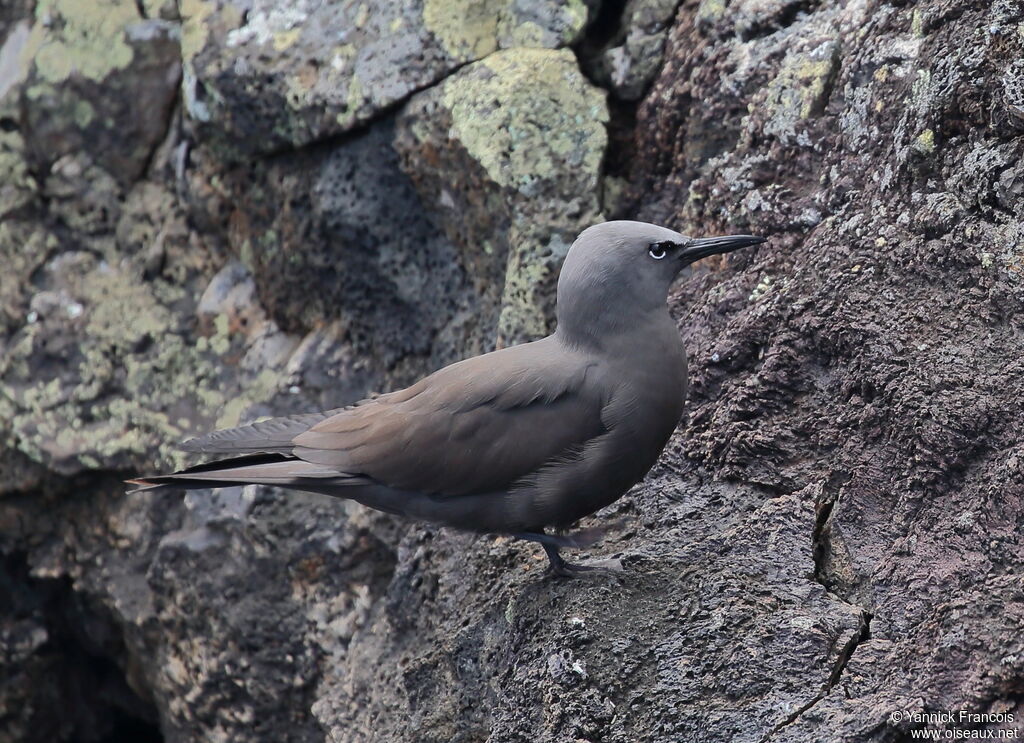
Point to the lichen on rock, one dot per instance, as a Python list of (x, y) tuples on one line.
[(801, 88), (312, 70), (534, 127), (78, 64), (87, 40)]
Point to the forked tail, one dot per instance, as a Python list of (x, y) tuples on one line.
[(255, 469)]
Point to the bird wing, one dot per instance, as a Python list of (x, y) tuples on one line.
[(272, 436), (477, 426)]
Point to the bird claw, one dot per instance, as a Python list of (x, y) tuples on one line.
[(609, 567), (583, 538)]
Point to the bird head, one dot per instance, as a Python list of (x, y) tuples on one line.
[(622, 268)]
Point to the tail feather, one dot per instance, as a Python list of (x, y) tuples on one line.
[(253, 469)]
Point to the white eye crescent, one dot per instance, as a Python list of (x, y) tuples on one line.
[(657, 251)]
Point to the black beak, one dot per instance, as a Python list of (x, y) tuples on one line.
[(705, 246)]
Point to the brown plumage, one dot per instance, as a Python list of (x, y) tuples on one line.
[(514, 441)]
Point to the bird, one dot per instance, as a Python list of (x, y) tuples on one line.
[(523, 441)]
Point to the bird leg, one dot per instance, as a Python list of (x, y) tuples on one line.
[(562, 569), (553, 542)]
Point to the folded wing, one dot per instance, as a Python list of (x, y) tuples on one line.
[(478, 426)]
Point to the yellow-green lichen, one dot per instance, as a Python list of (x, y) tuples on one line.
[(355, 95), (467, 29), (362, 15), (17, 186), (221, 341), (530, 267), (164, 9), (472, 29), (577, 14), (285, 39), (83, 38), (260, 389), (526, 34), (342, 57), (297, 89), (536, 127), (917, 24), (814, 76), (195, 16), (801, 88), (519, 308), (522, 112), (130, 368), (557, 24), (763, 287), (924, 143), (112, 300), (354, 100), (84, 113), (710, 11)]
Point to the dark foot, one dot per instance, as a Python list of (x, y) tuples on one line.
[(583, 538), (559, 568)]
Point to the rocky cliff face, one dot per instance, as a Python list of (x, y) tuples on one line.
[(212, 210)]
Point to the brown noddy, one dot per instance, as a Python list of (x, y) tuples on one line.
[(515, 441)]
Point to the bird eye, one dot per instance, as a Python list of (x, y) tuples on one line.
[(659, 250)]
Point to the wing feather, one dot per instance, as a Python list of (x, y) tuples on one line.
[(271, 436), (474, 427)]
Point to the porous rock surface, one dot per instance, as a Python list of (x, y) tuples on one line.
[(213, 210)]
